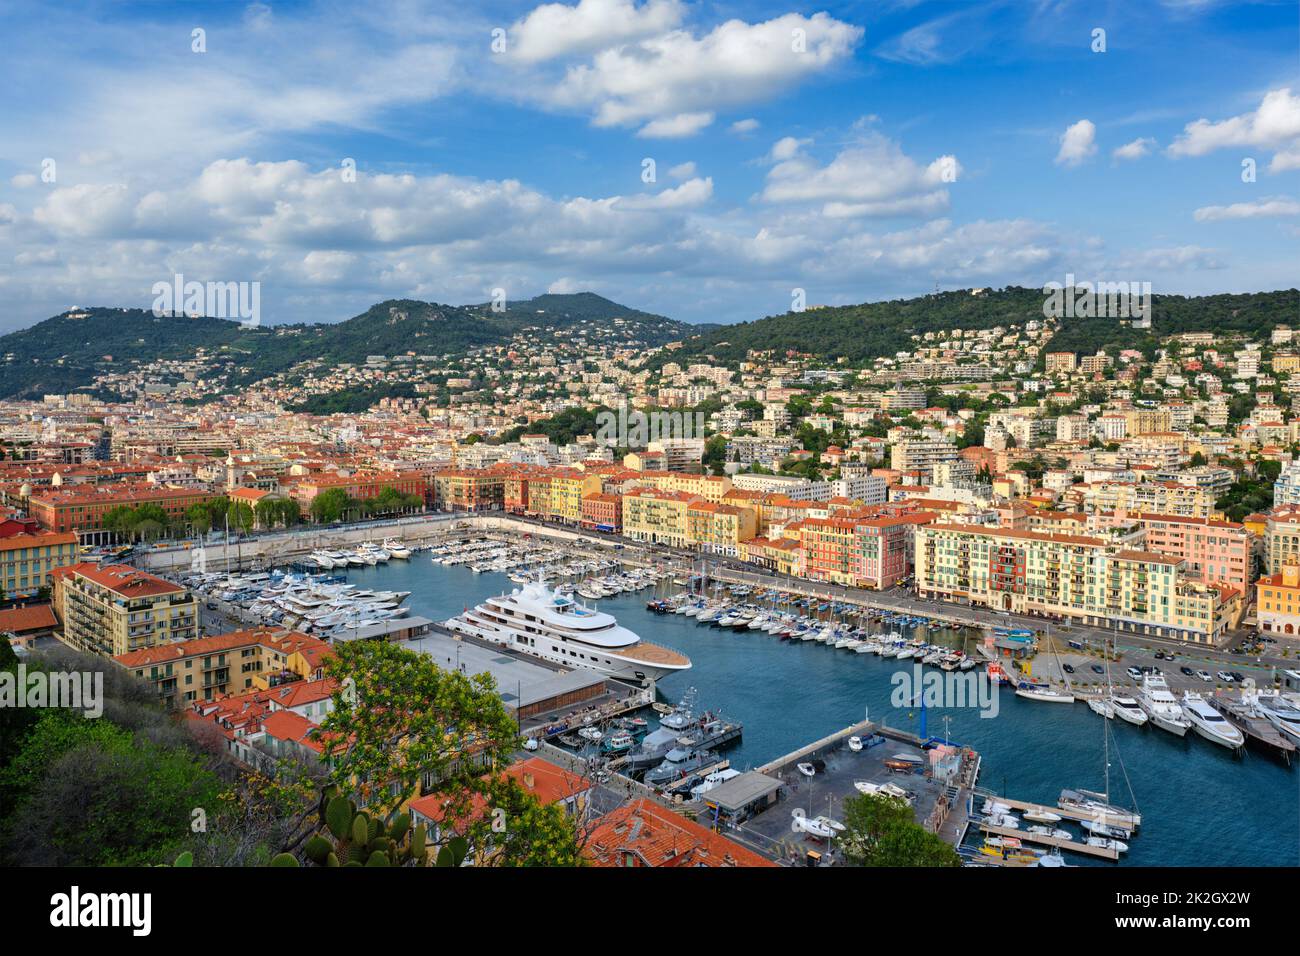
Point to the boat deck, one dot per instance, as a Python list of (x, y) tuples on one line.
[(654, 654)]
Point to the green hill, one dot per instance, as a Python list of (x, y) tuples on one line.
[(860, 333), (65, 352)]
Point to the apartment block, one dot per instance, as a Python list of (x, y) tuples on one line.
[(117, 609), (1079, 578)]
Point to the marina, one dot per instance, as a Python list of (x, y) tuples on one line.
[(786, 691)]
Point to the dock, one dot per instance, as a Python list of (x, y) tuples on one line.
[(1024, 836), (1075, 816), (1257, 729)]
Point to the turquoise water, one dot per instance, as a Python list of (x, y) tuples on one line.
[(1201, 805)]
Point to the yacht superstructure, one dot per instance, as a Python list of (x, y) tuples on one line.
[(544, 622)]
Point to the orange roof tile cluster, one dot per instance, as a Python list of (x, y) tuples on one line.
[(121, 579), (658, 837), (286, 642)]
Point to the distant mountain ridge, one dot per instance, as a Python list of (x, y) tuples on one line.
[(66, 351)]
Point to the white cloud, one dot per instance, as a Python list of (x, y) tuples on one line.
[(1259, 209), (24, 180), (554, 30), (682, 171), (1285, 160), (1175, 259), (675, 127), (693, 192), (1274, 124), (744, 125), (676, 74), (1078, 144), (872, 177), (1134, 150)]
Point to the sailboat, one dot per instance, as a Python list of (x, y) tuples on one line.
[(1107, 819)]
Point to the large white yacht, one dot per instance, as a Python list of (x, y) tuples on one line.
[(1211, 724), (1162, 706), (540, 621)]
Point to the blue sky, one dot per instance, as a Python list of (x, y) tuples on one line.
[(858, 151)]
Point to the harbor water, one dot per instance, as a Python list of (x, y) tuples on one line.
[(1200, 804)]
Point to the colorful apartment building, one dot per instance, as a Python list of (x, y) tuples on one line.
[(1282, 539), (117, 609), (1278, 602), (359, 486), (1214, 551), (27, 561), (1083, 579), (603, 512), (719, 528), (657, 517), (208, 668), (468, 489)]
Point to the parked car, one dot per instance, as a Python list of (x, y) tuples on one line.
[(1134, 673), (1187, 671), (1069, 668), (1098, 669), (1205, 676), (1225, 677)]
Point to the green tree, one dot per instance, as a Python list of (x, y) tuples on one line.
[(882, 831)]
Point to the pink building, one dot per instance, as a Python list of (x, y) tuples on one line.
[(884, 548), (1216, 552)]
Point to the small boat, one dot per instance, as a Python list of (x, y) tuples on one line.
[(855, 743), (1055, 832), (1103, 708), (531, 743), (1044, 693), (620, 742), (1097, 828), (1052, 858), (1005, 820), (884, 790), (1087, 801), (1126, 708), (807, 769), (1042, 816), (802, 823), (1009, 850), (712, 780), (1106, 843), (590, 733)]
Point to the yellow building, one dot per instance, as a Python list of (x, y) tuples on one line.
[(566, 491), (657, 516), (719, 528), (117, 609), (209, 668), (27, 561), (1278, 602)]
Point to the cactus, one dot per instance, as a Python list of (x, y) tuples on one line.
[(284, 859), (348, 837)]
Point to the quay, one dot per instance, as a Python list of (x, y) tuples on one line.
[(760, 808)]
